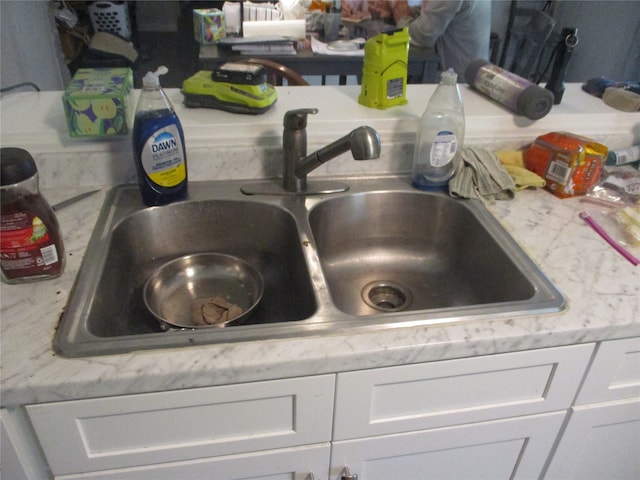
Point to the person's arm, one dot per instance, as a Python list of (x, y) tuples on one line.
[(401, 12), (380, 9), (355, 9), (434, 18)]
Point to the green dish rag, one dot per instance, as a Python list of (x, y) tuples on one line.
[(481, 175)]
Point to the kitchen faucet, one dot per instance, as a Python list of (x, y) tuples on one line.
[(364, 143)]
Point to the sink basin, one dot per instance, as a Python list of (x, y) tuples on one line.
[(387, 252), (107, 301), (380, 255)]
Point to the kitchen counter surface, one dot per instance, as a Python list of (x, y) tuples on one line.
[(602, 288)]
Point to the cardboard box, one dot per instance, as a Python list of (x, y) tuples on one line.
[(98, 102), (208, 25)]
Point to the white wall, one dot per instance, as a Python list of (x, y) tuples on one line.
[(29, 46), (609, 38), (608, 32)]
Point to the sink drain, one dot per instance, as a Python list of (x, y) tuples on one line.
[(386, 296)]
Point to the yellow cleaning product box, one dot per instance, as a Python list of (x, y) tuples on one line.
[(384, 73), (98, 102)]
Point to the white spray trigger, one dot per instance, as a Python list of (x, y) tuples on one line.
[(151, 78), (161, 70)]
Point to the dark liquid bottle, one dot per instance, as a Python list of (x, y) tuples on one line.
[(31, 246), (158, 145)]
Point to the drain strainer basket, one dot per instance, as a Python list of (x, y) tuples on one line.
[(387, 296)]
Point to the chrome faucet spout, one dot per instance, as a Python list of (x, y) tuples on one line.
[(364, 143)]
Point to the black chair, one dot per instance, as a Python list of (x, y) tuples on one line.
[(276, 72), (527, 35)]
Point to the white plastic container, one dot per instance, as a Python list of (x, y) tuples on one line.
[(623, 156), (440, 136), (110, 17)]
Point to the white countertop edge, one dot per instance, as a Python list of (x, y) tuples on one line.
[(194, 367)]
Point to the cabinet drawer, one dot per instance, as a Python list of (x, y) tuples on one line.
[(614, 373), (283, 464), (99, 434), (430, 395)]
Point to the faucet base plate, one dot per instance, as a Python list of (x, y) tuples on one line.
[(314, 187)]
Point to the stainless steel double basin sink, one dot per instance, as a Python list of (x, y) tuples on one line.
[(380, 255)]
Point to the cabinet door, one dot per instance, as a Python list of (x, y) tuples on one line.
[(286, 464), (431, 395), (614, 374), (600, 441), (501, 449), (20, 455), (117, 432)]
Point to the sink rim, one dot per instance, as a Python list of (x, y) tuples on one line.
[(327, 318)]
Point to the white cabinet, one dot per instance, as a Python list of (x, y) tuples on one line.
[(180, 426), (493, 417), (500, 449), (284, 464), (602, 437), (430, 395), (614, 374), (600, 441), (20, 455)]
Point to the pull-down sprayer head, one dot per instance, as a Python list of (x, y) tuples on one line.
[(364, 143)]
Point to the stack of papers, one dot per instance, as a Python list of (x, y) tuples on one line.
[(274, 45), (349, 48)]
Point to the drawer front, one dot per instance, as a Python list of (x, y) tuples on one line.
[(431, 395), (117, 432), (614, 373), (297, 463)]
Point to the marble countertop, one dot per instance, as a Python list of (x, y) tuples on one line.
[(602, 288)]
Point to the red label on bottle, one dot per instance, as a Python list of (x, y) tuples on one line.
[(26, 247)]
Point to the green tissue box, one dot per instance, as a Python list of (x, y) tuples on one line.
[(98, 102)]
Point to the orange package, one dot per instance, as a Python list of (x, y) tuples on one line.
[(570, 164)]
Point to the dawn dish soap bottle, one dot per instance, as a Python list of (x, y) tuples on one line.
[(158, 145), (440, 136)]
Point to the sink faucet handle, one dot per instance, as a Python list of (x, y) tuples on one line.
[(297, 119)]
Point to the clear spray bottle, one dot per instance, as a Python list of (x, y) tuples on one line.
[(158, 145), (440, 136)]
